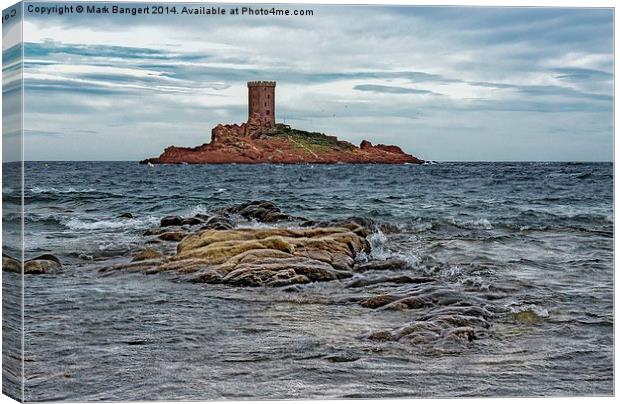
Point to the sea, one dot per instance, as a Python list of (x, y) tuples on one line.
[(530, 243)]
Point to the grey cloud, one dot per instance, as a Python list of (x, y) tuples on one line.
[(42, 133), (391, 89), (577, 74)]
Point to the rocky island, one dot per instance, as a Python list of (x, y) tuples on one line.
[(262, 140)]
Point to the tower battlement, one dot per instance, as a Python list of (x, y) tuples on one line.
[(262, 100), (261, 83)]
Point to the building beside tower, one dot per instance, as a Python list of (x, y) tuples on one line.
[(262, 100)]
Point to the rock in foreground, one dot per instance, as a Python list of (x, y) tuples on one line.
[(211, 248), (253, 142), (262, 257)]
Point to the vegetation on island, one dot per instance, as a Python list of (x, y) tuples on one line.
[(305, 139)]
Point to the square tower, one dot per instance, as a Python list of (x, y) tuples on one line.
[(262, 100)]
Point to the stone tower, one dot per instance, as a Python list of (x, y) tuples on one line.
[(262, 100)]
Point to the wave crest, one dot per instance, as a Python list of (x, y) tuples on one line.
[(79, 224), (70, 190), (380, 250)]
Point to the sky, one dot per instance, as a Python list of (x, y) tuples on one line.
[(444, 83)]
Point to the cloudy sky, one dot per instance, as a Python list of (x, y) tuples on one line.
[(444, 83)]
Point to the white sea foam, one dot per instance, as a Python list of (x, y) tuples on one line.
[(361, 256), (522, 308), (79, 224), (420, 226), (378, 244), (381, 251), (482, 223), (455, 270), (195, 210), (244, 224), (70, 190)]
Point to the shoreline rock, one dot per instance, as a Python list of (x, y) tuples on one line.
[(259, 257), (43, 264)]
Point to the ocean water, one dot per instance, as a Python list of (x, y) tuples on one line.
[(531, 243)]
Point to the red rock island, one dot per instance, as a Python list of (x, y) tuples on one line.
[(262, 140)]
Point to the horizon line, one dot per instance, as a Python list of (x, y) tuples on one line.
[(434, 161)]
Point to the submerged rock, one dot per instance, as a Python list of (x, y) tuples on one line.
[(440, 333), (381, 265), (339, 358), (378, 301), (450, 321), (401, 279)]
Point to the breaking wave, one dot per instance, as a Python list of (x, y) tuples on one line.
[(79, 224), (484, 224), (382, 249), (70, 190)]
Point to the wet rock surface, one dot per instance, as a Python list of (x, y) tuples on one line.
[(171, 221), (10, 264), (147, 254), (217, 223), (43, 264), (445, 320), (261, 211), (260, 257)]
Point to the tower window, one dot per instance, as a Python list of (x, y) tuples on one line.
[(268, 112)]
